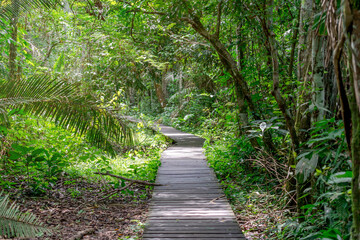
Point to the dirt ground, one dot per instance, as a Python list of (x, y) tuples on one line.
[(72, 206)]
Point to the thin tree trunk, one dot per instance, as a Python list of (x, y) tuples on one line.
[(160, 94), (243, 113), (355, 157), (13, 42), (293, 47), (355, 108), (228, 62), (164, 82), (304, 37), (289, 121), (318, 77)]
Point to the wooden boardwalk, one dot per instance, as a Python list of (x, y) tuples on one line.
[(190, 204)]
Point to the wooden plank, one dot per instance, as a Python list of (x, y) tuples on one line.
[(185, 188), (193, 222), (180, 197), (198, 217), (191, 191), (183, 181), (189, 238), (186, 177), (195, 231), (153, 228), (185, 173), (191, 185), (193, 235), (184, 203), (190, 213), (173, 206)]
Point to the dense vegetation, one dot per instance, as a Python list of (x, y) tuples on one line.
[(273, 86)]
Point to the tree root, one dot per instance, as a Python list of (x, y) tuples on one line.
[(81, 234), (129, 179), (107, 195)]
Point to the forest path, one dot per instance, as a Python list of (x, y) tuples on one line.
[(190, 204)]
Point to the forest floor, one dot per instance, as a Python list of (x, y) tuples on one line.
[(73, 205)]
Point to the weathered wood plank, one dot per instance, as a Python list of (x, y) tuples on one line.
[(193, 231), (193, 222), (196, 217), (189, 238), (193, 235), (153, 228), (192, 191)]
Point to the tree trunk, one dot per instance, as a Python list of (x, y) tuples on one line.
[(289, 121), (266, 24), (228, 62), (304, 37), (293, 47), (13, 43), (355, 153), (330, 89), (164, 82), (160, 94), (243, 113), (243, 93), (355, 113), (318, 77), (303, 116)]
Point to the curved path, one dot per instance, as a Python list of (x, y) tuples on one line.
[(191, 203)]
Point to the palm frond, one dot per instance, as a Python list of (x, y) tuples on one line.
[(61, 102), (12, 8), (14, 223)]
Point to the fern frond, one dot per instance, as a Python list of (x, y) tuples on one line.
[(14, 223), (61, 102)]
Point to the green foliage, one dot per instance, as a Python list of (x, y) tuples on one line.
[(12, 8), (14, 223), (328, 166), (39, 153), (59, 65), (60, 101)]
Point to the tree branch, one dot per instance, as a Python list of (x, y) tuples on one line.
[(81, 234), (107, 195), (147, 12), (50, 49), (132, 28), (345, 107), (218, 24), (189, 9), (189, 41), (128, 179)]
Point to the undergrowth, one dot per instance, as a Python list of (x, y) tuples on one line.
[(38, 152)]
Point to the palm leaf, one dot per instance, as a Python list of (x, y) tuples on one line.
[(14, 223), (13, 8), (61, 102)]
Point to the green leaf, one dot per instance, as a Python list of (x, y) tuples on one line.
[(340, 177), (38, 151), (13, 222), (14, 155), (305, 167)]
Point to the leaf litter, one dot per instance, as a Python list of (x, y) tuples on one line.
[(71, 208)]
